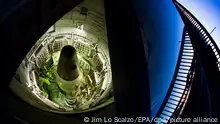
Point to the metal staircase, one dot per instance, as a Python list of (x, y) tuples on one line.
[(197, 48), (208, 55), (178, 92)]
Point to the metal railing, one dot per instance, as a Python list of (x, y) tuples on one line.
[(208, 40), (179, 89)]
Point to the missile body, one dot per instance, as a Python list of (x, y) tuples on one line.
[(68, 75)]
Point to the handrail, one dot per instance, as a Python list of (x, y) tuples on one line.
[(201, 30)]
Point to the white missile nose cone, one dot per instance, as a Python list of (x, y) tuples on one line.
[(67, 65)]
